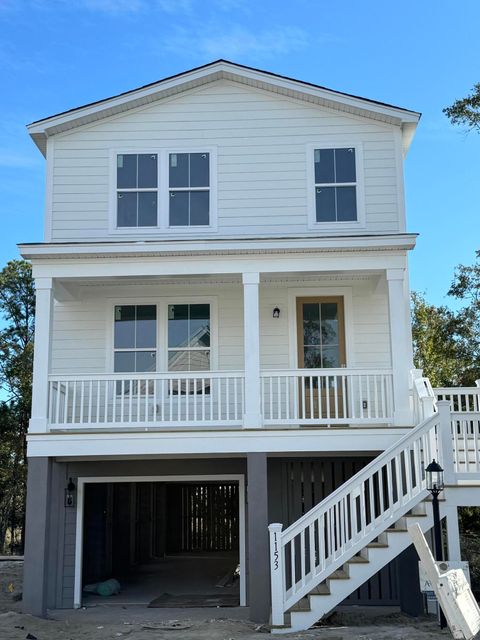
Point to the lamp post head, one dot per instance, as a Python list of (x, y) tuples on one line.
[(434, 477)]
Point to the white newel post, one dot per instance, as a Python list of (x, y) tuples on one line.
[(277, 573), (41, 354), (400, 347), (251, 326), (446, 442)]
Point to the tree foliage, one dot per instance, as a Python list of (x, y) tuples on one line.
[(466, 111), (447, 343), (435, 344), (17, 310)]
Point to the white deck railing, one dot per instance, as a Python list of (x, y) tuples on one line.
[(462, 399), (466, 442), (166, 399), (327, 396)]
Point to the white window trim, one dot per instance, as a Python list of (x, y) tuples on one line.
[(336, 143), (162, 302), (162, 190)]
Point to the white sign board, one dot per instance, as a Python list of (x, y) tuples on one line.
[(452, 590), (443, 567)]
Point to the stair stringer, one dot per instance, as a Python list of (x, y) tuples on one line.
[(358, 573)]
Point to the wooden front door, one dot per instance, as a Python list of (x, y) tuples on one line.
[(321, 345)]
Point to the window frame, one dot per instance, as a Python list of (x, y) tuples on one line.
[(189, 349), (115, 350), (163, 192), (162, 303), (336, 143)]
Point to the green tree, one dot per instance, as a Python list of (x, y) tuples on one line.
[(436, 348), (17, 310), (466, 111), (466, 288)]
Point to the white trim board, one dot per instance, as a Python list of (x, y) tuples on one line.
[(82, 481)]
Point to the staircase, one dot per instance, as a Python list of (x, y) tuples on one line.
[(344, 540)]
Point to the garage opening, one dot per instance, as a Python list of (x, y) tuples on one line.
[(168, 544)]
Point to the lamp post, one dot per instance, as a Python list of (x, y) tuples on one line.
[(434, 476), (435, 485)]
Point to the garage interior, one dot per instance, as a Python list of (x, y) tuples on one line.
[(169, 544)]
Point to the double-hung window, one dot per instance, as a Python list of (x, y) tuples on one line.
[(137, 190), (164, 190), (335, 185), (189, 189), (189, 345), (135, 338)]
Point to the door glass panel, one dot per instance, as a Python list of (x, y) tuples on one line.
[(311, 324), (312, 358), (329, 323), (330, 357)]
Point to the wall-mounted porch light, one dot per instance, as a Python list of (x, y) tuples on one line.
[(276, 312), (70, 493)]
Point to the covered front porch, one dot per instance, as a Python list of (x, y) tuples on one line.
[(264, 342)]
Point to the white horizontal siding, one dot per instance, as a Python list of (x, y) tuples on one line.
[(261, 140), (80, 341)]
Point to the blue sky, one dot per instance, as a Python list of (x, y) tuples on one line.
[(58, 54)]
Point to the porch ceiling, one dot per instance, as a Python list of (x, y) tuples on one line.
[(72, 288)]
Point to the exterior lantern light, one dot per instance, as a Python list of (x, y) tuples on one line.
[(435, 485), (434, 477), (70, 493), (276, 312)]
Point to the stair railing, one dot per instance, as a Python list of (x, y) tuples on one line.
[(336, 529)]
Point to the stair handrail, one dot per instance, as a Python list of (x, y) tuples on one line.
[(364, 473), (311, 522)]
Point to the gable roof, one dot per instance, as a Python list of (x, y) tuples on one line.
[(40, 130)]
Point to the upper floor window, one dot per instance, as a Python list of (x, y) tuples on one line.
[(137, 190), (335, 185), (164, 190), (189, 189)]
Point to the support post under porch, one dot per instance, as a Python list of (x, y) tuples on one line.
[(37, 536), (400, 347), (258, 595), (252, 418)]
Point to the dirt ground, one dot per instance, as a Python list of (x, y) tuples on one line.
[(108, 621)]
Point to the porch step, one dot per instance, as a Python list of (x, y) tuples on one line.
[(358, 560)]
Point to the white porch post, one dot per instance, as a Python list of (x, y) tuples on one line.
[(41, 354), (453, 533), (251, 327), (446, 442), (400, 346), (277, 574)]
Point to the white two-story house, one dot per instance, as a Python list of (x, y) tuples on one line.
[(222, 341)]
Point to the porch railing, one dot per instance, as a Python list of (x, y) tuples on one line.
[(462, 399), (170, 399), (327, 396)]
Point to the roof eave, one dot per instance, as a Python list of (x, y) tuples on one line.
[(41, 129)]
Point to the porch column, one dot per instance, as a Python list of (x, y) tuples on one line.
[(36, 538), (453, 533), (251, 327), (400, 346), (41, 354), (258, 542)]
